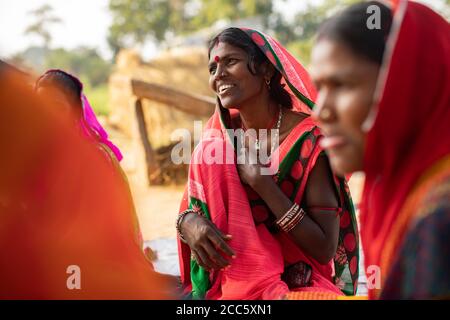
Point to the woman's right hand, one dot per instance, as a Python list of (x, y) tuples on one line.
[(206, 242)]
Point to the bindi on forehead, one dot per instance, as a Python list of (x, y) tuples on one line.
[(216, 59)]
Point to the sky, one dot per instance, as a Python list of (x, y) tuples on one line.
[(85, 22)]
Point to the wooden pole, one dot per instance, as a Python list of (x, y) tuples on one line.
[(196, 105), (150, 157)]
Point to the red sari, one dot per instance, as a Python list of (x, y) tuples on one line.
[(410, 134), (235, 209)]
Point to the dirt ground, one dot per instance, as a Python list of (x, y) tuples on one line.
[(157, 209)]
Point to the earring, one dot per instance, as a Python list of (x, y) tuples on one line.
[(325, 114), (268, 83)]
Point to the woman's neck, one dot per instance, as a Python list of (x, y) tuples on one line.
[(258, 114)]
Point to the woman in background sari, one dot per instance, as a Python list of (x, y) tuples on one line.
[(318, 255), (384, 106)]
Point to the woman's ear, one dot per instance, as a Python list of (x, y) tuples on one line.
[(268, 71)]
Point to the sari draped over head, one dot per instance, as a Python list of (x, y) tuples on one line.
[(216, 189), (89, 122), (68, 229), (410, 132)]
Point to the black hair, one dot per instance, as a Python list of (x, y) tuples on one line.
[(238, 38), (63, 81), (350, 28)]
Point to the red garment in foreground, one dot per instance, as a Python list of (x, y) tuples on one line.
[(411, 131), (65, 211)]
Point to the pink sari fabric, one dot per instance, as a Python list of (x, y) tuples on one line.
[(256, 271), (256, 249), (92, 123)]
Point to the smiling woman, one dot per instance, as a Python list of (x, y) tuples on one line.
[(246, 235)]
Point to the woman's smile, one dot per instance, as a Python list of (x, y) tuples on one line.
[(225, 89)]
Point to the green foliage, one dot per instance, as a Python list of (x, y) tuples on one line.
[(213, 10), (84, 62), (98, 98), (135, 21), (299, 35), (301, 49)]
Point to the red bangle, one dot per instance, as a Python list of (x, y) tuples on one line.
[(291, 218)]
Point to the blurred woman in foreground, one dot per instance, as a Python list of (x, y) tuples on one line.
[(66, 229), (384, 107)]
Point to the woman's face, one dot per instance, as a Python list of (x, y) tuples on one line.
[(230, 78), (346, 85)]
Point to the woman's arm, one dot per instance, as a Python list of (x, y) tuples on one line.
[(317, 234)]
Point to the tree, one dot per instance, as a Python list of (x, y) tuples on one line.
[(305, 25), (82, 61), (43, 18), (135, 21), (213, 10)]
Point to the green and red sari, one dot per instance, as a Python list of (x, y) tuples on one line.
[(262, 255)]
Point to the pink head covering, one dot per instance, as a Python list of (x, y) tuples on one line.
[(89, 122)]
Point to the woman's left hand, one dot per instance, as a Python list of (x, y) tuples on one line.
[(251, 175)]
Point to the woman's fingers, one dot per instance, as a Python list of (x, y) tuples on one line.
[(206, 242), (219, 261), (202, 258), (218, 239), (220, 233)]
